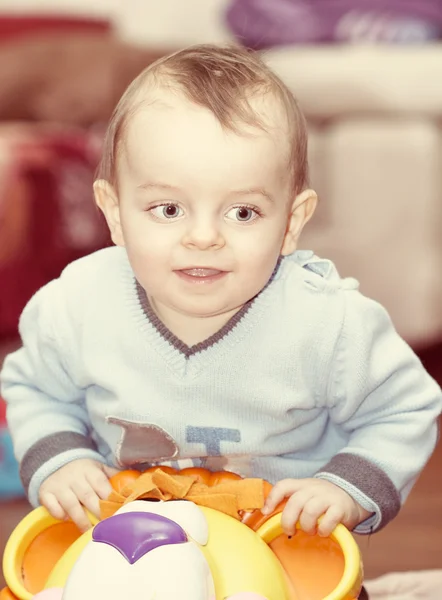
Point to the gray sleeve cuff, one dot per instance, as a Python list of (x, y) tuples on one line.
[(54, 450), (368, 485)]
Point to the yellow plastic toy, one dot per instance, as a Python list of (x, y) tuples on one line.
[(172, 549)]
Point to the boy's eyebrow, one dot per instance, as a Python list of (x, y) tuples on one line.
[(157, 184), (254, 190), (245, 192)]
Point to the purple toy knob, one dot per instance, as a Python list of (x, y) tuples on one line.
[(134, 534)]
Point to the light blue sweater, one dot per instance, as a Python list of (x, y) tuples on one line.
[(309, 379)]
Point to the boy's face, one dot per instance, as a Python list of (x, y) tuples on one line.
[(204, 213)]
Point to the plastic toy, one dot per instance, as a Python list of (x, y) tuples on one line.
[(196, 549)]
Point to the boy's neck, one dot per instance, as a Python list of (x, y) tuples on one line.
[(191, 330)]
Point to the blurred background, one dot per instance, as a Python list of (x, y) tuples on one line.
[(368, 76)]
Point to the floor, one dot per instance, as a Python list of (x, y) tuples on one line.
[(412, 541)]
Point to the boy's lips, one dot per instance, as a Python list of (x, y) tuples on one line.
[(200, 274)]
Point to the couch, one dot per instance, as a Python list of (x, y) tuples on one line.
[(375, 117)]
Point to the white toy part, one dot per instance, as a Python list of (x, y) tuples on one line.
[(142, 547), (178, 571)]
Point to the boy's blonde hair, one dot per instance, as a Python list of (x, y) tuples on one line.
[(221, 79)]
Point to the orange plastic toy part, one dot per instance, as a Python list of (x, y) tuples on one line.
[(300, 557), (42, 555), (6, 594), (123, 478), (44, 552)]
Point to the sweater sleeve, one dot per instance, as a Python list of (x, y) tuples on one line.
[(387, 405), (46, 411)]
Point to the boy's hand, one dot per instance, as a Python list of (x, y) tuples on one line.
[(79, 484), (309, 499)]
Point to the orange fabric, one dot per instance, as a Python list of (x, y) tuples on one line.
[(229, 496)]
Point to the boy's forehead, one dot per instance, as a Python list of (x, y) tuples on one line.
[(265, 108), (169, 136), (169, 142)]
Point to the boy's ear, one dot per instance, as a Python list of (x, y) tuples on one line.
[(107, 201), (301, 212)]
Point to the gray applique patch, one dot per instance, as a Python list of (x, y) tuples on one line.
[(142, 443), (211, 437)]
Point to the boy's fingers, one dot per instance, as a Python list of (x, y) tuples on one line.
[(73, 508), (313, 509), (99, 482), (292, 512), (281, 490), (330, 520), (52, 505), (87, 496), (110, 471)]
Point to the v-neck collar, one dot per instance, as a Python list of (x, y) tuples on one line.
[(180, 359), (172, 339)]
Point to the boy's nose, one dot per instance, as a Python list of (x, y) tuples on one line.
[(203, 236)]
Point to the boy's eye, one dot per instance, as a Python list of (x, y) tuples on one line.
[(242, 214), (166, 211)]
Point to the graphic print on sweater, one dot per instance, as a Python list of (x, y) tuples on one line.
[(144, 444)]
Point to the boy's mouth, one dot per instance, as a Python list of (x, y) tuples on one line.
[(200, 274)]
